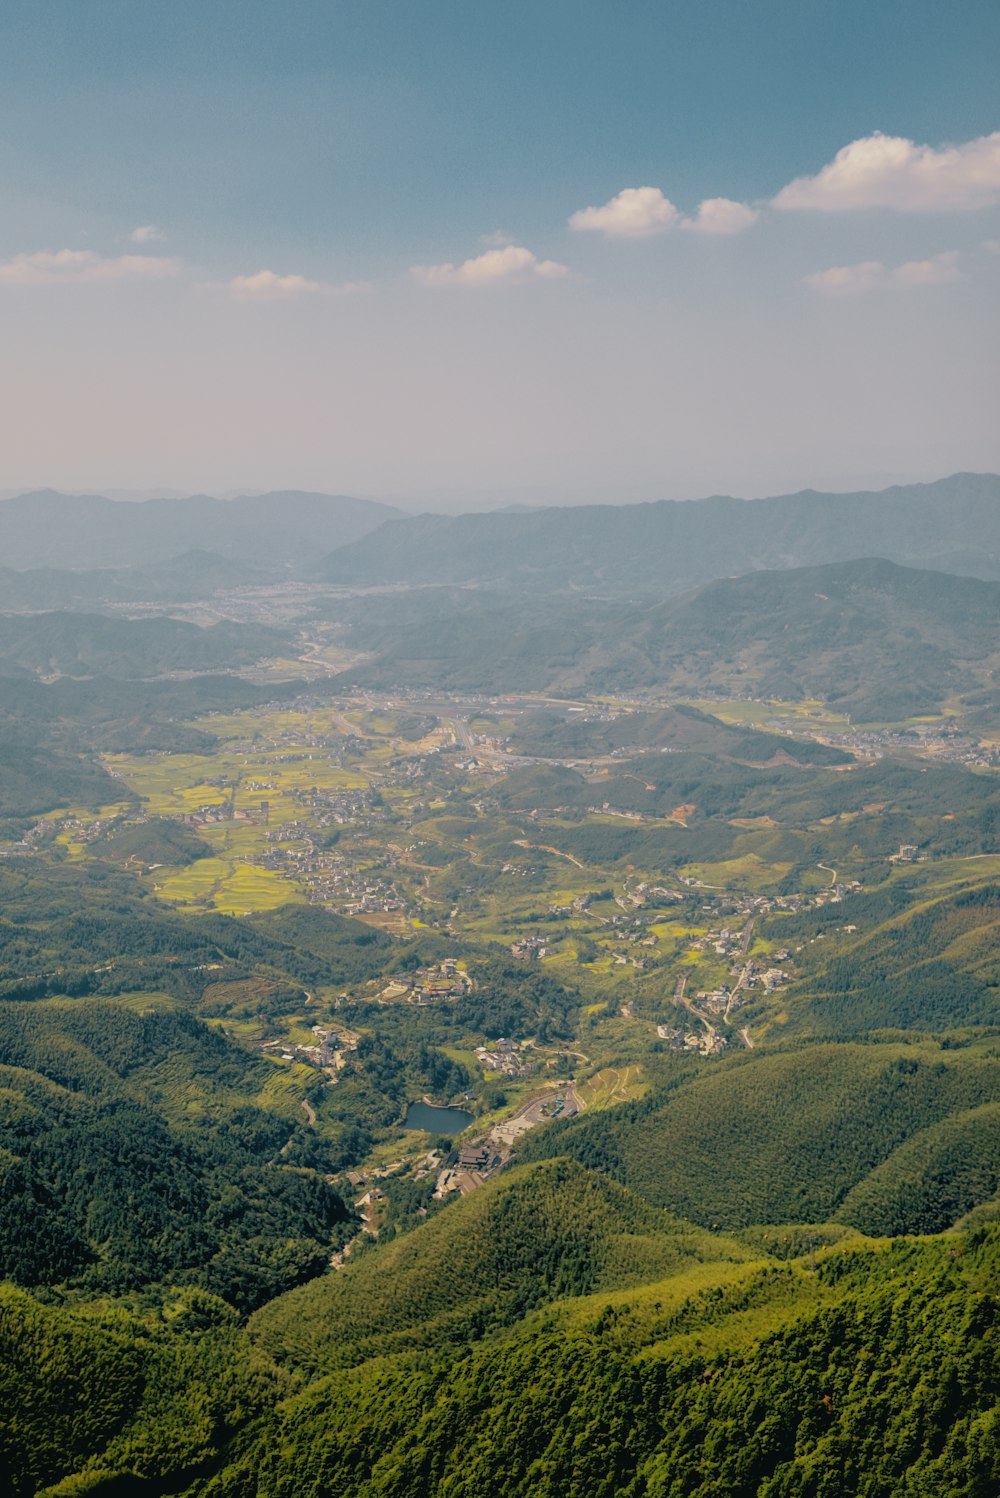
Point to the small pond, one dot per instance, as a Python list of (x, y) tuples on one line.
[(436, 1120)]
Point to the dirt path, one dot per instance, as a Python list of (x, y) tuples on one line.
[(522, 842)]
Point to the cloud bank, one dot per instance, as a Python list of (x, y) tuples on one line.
[(851, 280), (50, 267), (888, 171), (269, 286), (513, 263)]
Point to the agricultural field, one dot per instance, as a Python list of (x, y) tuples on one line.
[(678, 905)]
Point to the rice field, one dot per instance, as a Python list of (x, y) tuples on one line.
[(228, 885)]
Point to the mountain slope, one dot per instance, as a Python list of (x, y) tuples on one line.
[(861, 1369), (794, 1136), (875, 1374), (193, 574), (532, 1236), (141, 1147), (72, 644), (872, 638)]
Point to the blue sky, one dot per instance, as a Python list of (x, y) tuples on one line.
[(384, 247)]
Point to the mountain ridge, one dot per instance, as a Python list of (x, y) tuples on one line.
[(667, 546), (279, 529)]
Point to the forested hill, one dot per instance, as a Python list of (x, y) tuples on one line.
[(834, 1366), (287, 528), (193, 575), (76, 644), (876, 639), (652, 550), (873, 638)]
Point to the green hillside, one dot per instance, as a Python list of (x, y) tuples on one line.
[(130, 1397), (783, 812), (930, 966), (142, 1147), (678, 729), (856, 1368), (874, 639), (794, 1136), (535, 1235), (876, 1374), (156, 841)]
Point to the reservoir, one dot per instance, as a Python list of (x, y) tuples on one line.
[(436, 1120)]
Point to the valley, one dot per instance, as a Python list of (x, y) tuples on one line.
[(385, 1017)]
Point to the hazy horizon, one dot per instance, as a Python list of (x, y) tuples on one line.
[(480, 501)]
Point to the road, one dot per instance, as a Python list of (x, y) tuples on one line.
[(460, 729), (679, 998)]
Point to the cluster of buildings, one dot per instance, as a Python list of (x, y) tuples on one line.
[(337, 806), (504, 1056), (942, 741), (428, 985), (326, 1052), (708, 1042), (329, 878), (31, 840), (527, 947)]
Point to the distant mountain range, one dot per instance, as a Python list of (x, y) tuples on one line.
[(279, 531), (64, 551), (655, 550)]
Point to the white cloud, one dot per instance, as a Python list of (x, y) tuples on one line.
[(721, 216), (888, 171), (939, 270), (850, 280), (991, 246), (48, 267), (268, 286), (511, 264), (635, 213), (847, 280), (146, 233)]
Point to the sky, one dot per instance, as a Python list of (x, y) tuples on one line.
[(457, 254)]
